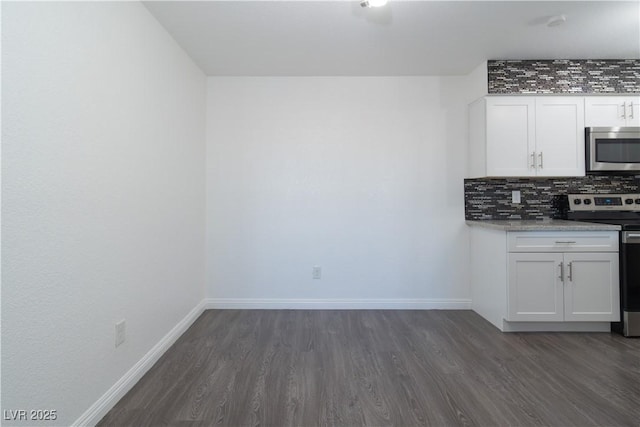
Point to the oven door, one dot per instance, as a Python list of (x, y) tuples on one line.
[(612, 150), (630, 282)]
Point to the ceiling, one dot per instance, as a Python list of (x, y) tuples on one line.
[(340, 38)]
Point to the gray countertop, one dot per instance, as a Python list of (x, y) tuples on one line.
[(542, 225)]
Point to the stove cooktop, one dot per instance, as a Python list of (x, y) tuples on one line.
[(616, 209)]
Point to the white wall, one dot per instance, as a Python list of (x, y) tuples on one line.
[(360, 175), (103, 197), (477, 83)]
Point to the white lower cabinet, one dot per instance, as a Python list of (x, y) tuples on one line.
[(534, 290), (591, 287), (545, 280), (563, 287)]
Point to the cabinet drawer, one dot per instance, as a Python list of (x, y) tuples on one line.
[(549, 241)]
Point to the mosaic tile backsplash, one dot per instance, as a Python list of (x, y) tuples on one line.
[(490, 198), (563, 76)]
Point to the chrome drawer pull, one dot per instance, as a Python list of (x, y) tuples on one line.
[(568, 242)]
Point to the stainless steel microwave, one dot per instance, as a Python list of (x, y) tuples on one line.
[(612, 150)]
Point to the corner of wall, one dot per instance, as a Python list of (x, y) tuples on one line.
[(103, 405), (477, 82)]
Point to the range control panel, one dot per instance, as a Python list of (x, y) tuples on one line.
[(604, 202)]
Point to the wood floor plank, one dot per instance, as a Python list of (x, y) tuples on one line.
[(382, 368)]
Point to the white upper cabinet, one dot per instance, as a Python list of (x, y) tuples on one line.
[(510, 136), (612, 111), (526, 136), (560, 136)]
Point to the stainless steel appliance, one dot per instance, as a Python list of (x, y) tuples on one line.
[(612, 150), (623, 210)]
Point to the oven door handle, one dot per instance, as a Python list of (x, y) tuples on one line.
[(630, 238)]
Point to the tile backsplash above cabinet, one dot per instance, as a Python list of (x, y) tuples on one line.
[(564, 76), (491, 198)]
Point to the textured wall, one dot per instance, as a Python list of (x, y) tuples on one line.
[(102, 197), (564, 76), (360, 175), (487, 198)]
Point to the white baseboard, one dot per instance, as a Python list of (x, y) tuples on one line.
[(103, 405), (337, 304), (556, 326)]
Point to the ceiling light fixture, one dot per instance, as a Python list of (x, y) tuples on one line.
[(556, 20), (372, 3)]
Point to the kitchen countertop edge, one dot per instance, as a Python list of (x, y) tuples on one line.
[(544, 225)]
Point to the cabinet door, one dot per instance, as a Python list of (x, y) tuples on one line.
[(633, 111), (560, 136), (535, 287), (510, 136), (606, 111), (592, 290)]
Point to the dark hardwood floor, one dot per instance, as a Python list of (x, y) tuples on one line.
[(380, 368)]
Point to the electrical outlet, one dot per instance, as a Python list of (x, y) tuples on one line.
[(120, 332), (515, 197), (317, 272)]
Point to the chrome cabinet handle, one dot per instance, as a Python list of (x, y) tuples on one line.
[(561, 276), (533, 160), (571, 271), (540, 156), (624, 110), (564, 242), (631, 110)]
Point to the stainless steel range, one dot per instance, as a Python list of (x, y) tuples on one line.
[(623, 210)]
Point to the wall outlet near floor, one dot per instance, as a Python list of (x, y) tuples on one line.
[(120, 332), (515, 196), (317, 272)]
